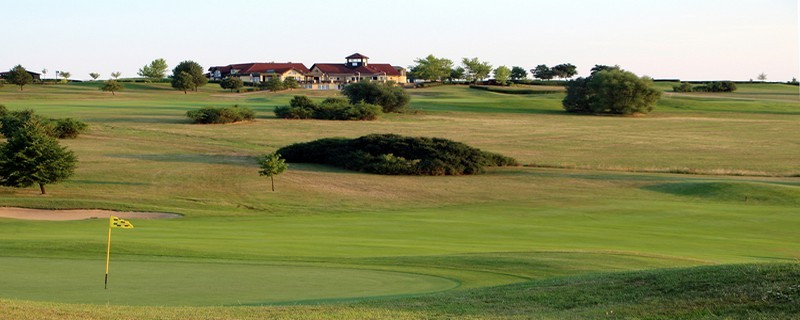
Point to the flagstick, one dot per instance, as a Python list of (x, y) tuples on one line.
[(108, 251)]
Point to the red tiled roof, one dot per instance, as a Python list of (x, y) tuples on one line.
[(372, 68), (259, 67), (356, 56)]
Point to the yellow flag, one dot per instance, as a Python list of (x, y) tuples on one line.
[(116, 222)]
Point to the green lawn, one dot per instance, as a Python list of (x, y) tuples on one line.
[(596, 196)]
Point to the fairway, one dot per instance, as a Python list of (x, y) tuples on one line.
[(706, 182)]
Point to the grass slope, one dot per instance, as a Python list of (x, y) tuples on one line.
[(493, 234), (736, 291)]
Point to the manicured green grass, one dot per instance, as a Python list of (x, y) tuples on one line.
[(507, 234)]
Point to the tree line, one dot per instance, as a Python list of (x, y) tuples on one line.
[(431, 68)]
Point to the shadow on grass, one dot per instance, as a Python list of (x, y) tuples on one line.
[(240, 160), (98, 182)]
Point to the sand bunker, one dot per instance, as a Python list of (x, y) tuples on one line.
[(77, 214)]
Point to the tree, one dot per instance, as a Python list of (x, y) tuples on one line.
[(456, 74), (19, 76), (111, 85), (290, 83), (273, 84), (614, 91), (198, 77), (271, 166), (233, 83), (183, 81), (156, 70), (387, 95), (44, 72), (432, 68), (31, 157), (564, 70), (65, 75), (518, 73), (476, 69), (601, 67), (501, 74), (94, 75), (542, 72), (116, 74), (762, 77)]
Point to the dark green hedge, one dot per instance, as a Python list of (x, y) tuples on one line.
[(396, 155), (211, 115), (301, 107)]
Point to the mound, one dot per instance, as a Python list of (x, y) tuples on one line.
[(396, 155), (734, 191)]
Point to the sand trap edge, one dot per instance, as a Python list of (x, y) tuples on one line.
[(77, 214)]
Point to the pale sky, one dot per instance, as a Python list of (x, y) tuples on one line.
[(685, 39)]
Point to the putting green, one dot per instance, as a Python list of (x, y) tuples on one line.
[(199, 284)]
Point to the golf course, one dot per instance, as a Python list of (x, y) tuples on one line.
[(690, 211)]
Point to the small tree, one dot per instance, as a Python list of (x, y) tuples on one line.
[(456, 74), (271, 166), (476, 70), (19, 76), (390, 97), (272, 84), (183, 81), (232, 83), (31, 157), (542, 72), (501, 74), (111, 85), (762, 77), (290, 83), (432, 68), (194, 69), (116, 74), (564, 70), (44, 72), (156, 70), (614, 91), (66, 75), (94, 75), (518, 73)]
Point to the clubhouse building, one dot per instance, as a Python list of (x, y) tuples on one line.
[(323, 76)]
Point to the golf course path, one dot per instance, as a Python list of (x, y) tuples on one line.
[(77, 214)]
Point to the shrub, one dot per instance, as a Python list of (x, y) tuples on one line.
[(272, 84), (611, 91), (396, 155), (391, 98), (211, 115), (301, 107), (67, 128), (683, 87)]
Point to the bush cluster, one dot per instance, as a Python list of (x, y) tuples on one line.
[(61, 128), (301, 107), (716, 86), (611, 90), (211, 115), (387, 95), (393, 154), (683, 87)]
